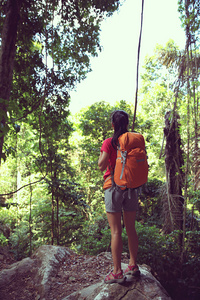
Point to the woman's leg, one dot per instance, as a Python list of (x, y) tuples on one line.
[(114, 220), (129, 221)]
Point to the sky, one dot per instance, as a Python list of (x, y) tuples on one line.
[(113, 76)]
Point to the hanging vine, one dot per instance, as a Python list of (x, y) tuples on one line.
[(138, 62)]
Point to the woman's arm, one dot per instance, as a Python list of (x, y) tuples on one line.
[(103, 161)]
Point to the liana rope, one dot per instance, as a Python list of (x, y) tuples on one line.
[(138, 61)]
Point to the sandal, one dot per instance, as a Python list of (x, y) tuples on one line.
[(117, 278), (132, 270)]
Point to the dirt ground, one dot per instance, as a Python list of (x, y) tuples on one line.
[(75, 273)]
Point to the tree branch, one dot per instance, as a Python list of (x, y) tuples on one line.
[(11, 193)]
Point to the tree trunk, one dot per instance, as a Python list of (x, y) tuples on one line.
[(57, 219), (52, 205), (52, 217), (30, 216), (7, 56), (174, 175)]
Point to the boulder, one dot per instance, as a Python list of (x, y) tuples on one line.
[(48, 259), (38, 278), (141, 288), (40, 267), (16, 269)]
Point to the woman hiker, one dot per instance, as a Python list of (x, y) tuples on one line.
[(116, 201)]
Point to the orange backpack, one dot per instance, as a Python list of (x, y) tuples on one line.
[(131, 169)]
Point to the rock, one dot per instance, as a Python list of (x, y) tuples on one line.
[(48, 257), (142, 288), (16, 269), (42, 265), (43, 272)]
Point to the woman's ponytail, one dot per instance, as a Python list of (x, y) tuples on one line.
[(120, 121)]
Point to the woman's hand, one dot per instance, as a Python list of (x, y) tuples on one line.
[(103, 161)]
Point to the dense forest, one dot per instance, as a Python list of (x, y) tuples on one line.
[(50, 185)]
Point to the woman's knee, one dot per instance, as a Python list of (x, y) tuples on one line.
[(116, 231)]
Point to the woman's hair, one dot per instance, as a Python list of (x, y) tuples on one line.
[(120, 121)]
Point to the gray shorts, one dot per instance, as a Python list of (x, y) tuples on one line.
[(117, 199)]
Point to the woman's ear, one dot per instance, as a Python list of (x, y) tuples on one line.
[(112, 126)]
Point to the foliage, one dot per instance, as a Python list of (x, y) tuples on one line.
[(3, 240), (150, 209), (94, 237), (54, 43), (189, 15), (156, 99), (161, 252)]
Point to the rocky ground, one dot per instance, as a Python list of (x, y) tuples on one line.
[(75, 273)]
